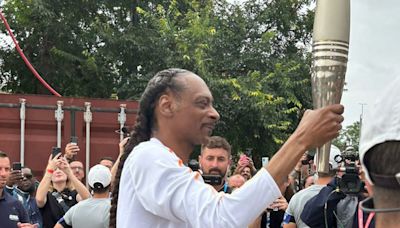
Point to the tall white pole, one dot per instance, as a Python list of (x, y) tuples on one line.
[(59, 115), (22, 116), (88, 119)]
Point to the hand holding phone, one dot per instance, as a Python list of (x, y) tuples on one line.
[(15, 175), (243, 160), (72, 148)]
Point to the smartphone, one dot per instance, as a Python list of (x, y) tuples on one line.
[(264, 161), (55, 151), (247, 152), (16, 166), (74, 140)]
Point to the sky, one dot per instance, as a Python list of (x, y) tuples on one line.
[(373, 54)]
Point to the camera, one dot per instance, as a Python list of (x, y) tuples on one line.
[(208, 178), (350, 182)]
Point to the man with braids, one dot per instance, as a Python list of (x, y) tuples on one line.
[(154, 187)]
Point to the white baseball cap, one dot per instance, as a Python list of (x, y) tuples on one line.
[(99, 176), (382, 122), (332, 157)]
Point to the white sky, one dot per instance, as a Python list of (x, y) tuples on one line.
[(373, 57)]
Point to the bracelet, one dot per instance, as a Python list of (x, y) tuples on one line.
[(51, 171)]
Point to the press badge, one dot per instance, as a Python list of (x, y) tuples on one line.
[(14, 218)]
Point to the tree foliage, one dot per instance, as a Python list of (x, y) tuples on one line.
[(350, 136), (254, 56)]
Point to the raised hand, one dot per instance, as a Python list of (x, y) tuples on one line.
[(71, 150), (319, 126)]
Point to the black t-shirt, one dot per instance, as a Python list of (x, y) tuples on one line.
[(56, 206), (275, 219)]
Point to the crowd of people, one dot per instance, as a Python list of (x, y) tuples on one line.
[(61, 198), (150, 184)]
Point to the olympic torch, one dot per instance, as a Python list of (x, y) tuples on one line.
[(329, 60)]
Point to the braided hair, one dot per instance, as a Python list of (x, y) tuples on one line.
[(161, 83)]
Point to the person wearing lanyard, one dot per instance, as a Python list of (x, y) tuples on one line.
[(215, 159)]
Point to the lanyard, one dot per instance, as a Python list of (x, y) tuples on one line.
[(225, 187), (361, 218)]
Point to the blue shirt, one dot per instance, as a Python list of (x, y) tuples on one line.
[(29, 203), (11, 211)]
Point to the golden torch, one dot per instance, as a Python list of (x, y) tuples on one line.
[(329, 60)]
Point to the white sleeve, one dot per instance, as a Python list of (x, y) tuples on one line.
[(171, 190)]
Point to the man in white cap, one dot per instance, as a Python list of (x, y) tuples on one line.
[(93, 212), (292, 215), (380, 157)]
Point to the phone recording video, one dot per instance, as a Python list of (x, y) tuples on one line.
[(74, 140), (55, 151), (16, 166)]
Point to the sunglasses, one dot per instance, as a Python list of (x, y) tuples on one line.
[(28, 176)]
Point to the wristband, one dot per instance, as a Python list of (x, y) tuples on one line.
[(51, 171)]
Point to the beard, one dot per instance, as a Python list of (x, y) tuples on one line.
[(212, 171)]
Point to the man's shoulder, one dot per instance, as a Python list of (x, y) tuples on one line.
[(305, 194), (152, 146), (9, 203), (10, 199), (90, 202), (150, 151)]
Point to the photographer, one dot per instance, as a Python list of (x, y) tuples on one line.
[(95, 211), (12, 213), (245, 167), (21, 185), (58, 191), (302, 170), (336, 204)]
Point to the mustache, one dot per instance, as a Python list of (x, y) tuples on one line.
[(216, 170)]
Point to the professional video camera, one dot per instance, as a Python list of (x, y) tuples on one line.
[(210, 179), (350, 182)]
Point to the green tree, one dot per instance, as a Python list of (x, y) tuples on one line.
[(350, 136), (254, 56)]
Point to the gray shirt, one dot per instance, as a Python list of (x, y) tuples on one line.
[(296, 204), (89, 213)]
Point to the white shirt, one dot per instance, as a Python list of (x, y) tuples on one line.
[(157, 190)]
